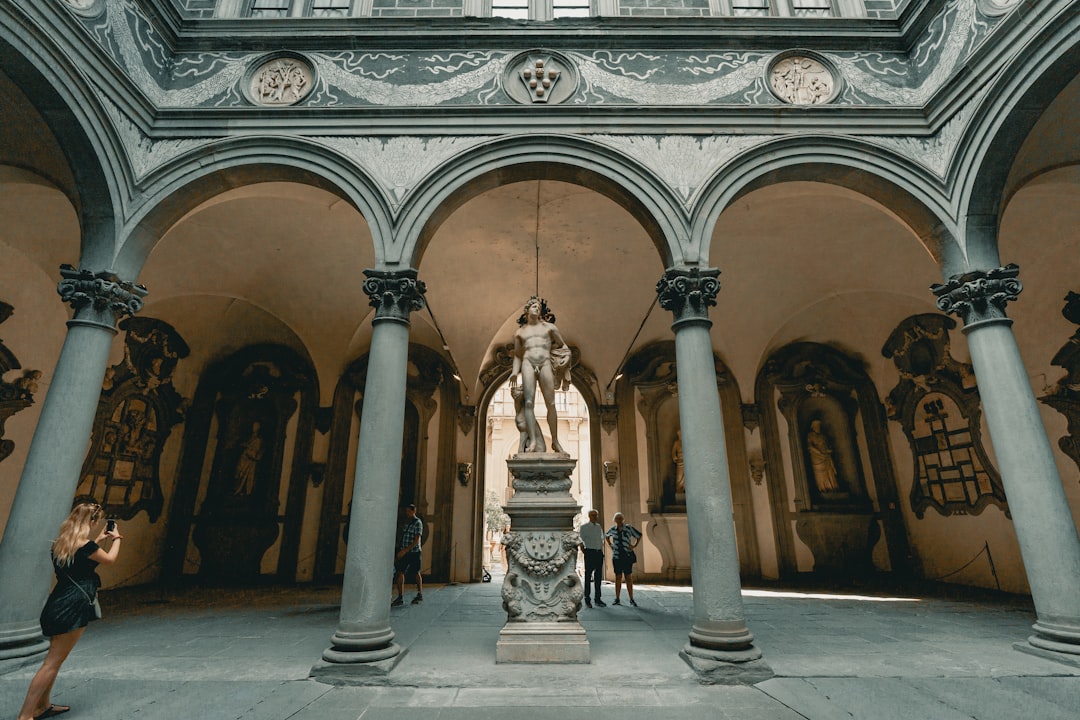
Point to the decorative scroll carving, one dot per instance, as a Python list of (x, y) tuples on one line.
[(1064, 396), (501, 362), (15, 395), (540, 483), (394, 294), (688, 294), (937, 404), (802, 79), (103, 291), (281, 81), (979, 296), (135, 416)]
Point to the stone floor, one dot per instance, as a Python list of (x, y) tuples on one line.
[(213, 654)]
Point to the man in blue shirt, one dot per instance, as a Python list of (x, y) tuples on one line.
[(407, 559), (623, 539)]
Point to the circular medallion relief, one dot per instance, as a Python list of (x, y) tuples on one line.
[(994, 8), (540, 77), (799, 77), (87, 8), (280, 80)]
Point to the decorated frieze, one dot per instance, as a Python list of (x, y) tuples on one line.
[(506, 76)]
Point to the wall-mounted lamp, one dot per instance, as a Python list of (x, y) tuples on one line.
[(611, 472), (464, 473)]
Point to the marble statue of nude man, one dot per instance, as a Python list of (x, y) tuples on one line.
[(540, 355)]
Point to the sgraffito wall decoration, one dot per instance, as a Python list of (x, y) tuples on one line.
[(136, 413), (1064, 395), (937, 404)]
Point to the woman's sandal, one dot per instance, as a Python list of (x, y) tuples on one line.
[(52, 711)]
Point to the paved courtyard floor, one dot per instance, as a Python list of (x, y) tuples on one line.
[(211, 654)]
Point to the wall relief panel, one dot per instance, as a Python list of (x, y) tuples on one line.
[(937, 404), (136, 413), (1064, 396), (16, 394)]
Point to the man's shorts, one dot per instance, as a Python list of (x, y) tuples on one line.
[(408, 564), (621, 566)]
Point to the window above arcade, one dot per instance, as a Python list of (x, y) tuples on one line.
[(543, 10)]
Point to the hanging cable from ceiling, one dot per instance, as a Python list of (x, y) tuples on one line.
[(536, 238)]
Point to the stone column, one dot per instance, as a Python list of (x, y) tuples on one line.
[(55, 457), (720, 644), (363, 643), (1044, 525)]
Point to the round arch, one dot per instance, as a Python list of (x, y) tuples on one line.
[(71, 111), (551, 157), (1014, 104), (180, 187), (898, 186)]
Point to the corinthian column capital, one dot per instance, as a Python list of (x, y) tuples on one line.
[(979, 296), (688, 294), (394, 293), (99, 298)]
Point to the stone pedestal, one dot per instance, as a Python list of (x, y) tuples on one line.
[(542, 592)]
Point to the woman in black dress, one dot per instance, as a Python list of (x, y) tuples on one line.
[(71, 605)]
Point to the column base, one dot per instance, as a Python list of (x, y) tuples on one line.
[(20, 646), (357, 668), (726, 667), (542, 642), (1065, 658)]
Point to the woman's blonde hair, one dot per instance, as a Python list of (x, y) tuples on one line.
[(74, 531)]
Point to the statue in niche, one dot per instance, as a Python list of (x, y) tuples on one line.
[(680, 468), (821, 459), (246, 466), (540, 355)]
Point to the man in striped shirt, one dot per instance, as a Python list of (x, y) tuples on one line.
[(623, 539), (407, 559)]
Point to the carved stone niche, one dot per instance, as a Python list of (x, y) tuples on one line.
[(825, 397), (15, 395), (238, 521), (136, 413), (1064, 395), (937, 404), (652, 372)]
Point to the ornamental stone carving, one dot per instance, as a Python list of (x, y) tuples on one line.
[(1064, 395), (540, 77), (996, 8), (688, 294), (102, 291), (18, 394), (280, 81), (394, 293), (979, 296), (803, 78)]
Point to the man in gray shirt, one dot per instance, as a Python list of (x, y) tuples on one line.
[(592, 543)]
